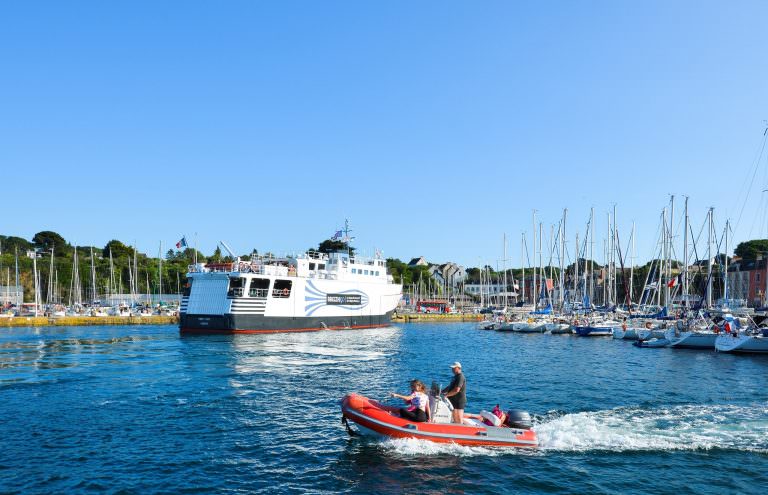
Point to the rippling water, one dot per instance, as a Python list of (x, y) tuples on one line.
[(141, 409)]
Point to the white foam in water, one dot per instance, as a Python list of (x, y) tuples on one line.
[(691, 427), (414, 447)]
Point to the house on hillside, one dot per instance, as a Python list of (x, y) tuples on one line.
[(448, 274), (420, 261)]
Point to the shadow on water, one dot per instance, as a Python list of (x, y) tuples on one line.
[(373, 467)]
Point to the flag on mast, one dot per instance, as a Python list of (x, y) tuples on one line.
[(182, 243)]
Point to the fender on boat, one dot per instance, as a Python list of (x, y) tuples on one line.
[(383, 420)]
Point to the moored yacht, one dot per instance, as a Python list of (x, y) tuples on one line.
[(751, 341)]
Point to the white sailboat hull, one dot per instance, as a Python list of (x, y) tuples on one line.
[(742, 343)]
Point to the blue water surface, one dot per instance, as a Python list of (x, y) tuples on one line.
[(140, 409)]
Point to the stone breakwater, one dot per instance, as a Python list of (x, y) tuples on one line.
[(41, 321)]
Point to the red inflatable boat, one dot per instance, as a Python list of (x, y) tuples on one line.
[(373, 418)]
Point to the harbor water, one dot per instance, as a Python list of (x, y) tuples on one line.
[(141, 409)]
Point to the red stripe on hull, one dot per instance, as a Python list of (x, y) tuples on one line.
[(277, 330), (389, 432)]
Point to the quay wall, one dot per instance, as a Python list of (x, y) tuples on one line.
[(435, 318), (41, 321)]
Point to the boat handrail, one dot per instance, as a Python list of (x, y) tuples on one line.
[(260, 293)]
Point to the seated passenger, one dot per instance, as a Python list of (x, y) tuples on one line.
[(419, 403), (497, 417)]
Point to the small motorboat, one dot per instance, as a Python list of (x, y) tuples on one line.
[(651, 343), (373, 418)]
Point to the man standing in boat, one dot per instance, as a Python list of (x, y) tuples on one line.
[(456, 392)]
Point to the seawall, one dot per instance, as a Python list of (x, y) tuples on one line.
[(41, 321)]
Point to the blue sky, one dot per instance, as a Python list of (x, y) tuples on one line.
[(435, 127)]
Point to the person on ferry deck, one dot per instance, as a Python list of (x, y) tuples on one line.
[(418, 401), (456, 392)]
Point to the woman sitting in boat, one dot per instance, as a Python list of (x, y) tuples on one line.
[(419, 403)]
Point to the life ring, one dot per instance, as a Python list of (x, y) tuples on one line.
[(285, 292), (715, 328), (648, 325)]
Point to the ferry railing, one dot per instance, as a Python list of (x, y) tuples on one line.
[(281, 293), (235, 292), (260, 293)]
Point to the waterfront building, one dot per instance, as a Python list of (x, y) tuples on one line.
[(747, 280)]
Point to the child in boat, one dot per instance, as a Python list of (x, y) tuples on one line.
[(419, 403), (496, 417)]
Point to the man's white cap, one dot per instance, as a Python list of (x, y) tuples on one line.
[(456, 365)]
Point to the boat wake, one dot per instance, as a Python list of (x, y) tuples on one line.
[(415, 447), (687, 427)]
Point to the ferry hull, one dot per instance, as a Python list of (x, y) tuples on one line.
[(277, 324)]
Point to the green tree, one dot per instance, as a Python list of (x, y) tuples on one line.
[(10, 244), (216, 256), (333, 246), (748, 250), (47, 239), (119, 250)]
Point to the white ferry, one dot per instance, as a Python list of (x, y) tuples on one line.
[(313, 291)]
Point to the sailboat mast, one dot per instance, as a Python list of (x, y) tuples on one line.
[(725, 275), (711, 261), (505, 270), (562, 259), (522, 263), (685, 256), (535, 272), (591, 258), (632, 267)]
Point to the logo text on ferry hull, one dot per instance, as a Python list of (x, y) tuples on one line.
[(343, 299)]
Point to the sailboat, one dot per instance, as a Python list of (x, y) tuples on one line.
[(699, 335)]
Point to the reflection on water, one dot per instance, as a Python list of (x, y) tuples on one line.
[(294, 353), (24, 356)]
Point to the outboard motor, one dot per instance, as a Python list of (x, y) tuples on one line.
[(520, 419)]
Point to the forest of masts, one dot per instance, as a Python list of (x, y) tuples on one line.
[(550, 275)]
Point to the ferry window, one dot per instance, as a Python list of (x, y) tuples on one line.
[(311, 266), (282, 289), (366, 272), (259, 287), (377, 274), (235, 287), (354, 270), (187, 286), (321, 266)]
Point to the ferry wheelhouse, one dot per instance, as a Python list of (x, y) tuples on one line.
[(313, 291)]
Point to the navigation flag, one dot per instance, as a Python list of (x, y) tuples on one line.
[(182, 243), (337, 235), (675, 281)]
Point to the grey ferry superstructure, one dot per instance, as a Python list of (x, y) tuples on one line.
[(313, 291)]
